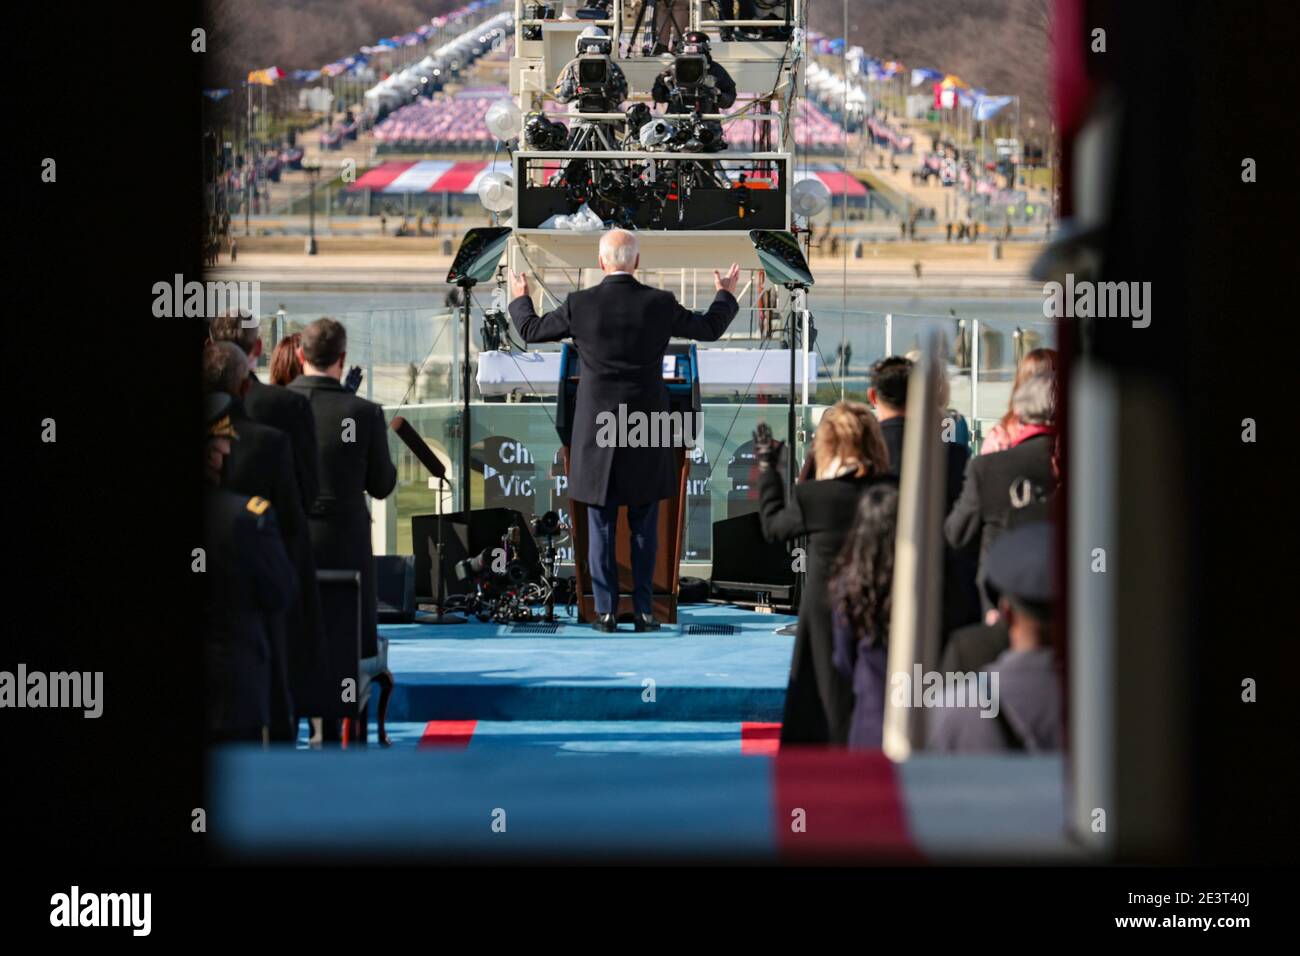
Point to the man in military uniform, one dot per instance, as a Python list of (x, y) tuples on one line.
[(249, 579), (261, 463)]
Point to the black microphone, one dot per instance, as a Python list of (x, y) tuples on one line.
[(412, 440)]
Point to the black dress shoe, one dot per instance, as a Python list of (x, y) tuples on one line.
[(645, 622), (606, 622)]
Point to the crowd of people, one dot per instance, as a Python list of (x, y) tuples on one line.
[(288, 467), (998, 591), (290, 463)]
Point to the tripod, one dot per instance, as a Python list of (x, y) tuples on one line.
[(590, 136), (551, 574)]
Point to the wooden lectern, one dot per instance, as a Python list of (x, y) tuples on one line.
[(683, 396)]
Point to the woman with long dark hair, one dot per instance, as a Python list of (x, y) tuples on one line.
[(849, 456), (860, 588)]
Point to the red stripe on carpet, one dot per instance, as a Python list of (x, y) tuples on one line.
[(759, 738), (837, 803), (447, 734)]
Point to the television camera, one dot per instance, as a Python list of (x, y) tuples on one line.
[(541, 132), (505, 584)]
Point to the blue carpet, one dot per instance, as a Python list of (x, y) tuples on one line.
[(443, 805), (485, 672), (404, 803)]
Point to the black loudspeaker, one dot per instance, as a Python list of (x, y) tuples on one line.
[(747, 567), (487, 527), (395, 584)]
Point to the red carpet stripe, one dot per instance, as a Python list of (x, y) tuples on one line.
[(759, 738), (447, 734), (850, 803)]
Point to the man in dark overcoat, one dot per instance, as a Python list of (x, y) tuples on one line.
[(353, 461), (621, 330)]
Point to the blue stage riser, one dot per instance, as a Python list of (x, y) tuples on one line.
[(485, 672)]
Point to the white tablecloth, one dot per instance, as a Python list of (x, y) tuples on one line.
[(722, 372)]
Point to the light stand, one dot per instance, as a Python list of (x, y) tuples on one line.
[(466, 284), (798, 294), (784, 262), (476, 261)]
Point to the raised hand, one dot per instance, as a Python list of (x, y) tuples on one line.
[(767, 450), (518, 284), (728, 282)]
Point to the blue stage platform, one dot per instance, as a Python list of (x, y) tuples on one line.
[(588, 747), (492, 672)]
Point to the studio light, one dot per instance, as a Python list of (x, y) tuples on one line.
[(496, 191), (809, 197), (503, 119)]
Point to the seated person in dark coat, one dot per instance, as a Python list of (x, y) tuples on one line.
[(887, 393), (995, 483), (850, 458), (860, 601), (621, 329), (1028, 702), (353, 461)]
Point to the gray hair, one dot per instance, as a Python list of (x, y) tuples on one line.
[(1034, 401), (619, 249)]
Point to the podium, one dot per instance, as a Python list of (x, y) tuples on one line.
[(683, 385)]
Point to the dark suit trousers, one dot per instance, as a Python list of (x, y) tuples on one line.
[(643, 520)]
